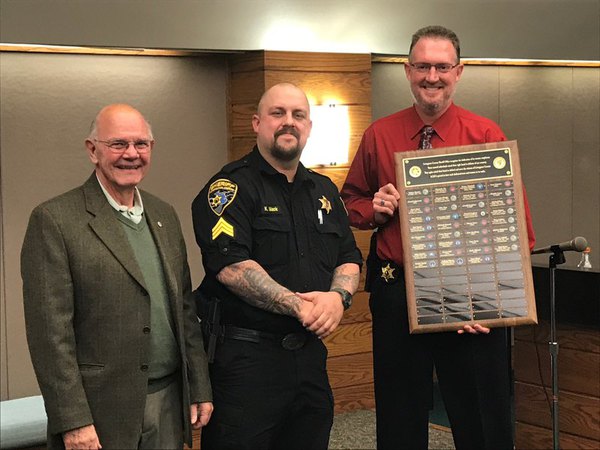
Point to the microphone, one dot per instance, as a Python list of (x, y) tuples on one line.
[(577, 245)]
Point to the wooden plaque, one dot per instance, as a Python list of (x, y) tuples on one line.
[(466, 252)]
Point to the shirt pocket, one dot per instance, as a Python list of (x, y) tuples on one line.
[(325, 241), (270, 242)]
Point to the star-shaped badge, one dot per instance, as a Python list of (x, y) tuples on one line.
[(387, 273), (325, 204)]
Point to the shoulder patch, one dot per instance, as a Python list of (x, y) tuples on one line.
[(221, 194)]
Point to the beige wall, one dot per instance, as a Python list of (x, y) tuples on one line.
[(541, 29), (48, 102), (554, 114)]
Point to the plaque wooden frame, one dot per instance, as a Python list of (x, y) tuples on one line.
[(464, 235)]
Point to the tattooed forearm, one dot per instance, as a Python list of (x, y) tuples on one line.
[(346, 277), (249, 281)]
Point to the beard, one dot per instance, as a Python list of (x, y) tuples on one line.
[(283, 154), (429, 106)]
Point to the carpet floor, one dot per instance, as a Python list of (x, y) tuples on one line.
[(356, 431)]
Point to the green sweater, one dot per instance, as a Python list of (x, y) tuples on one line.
[(164, 353)]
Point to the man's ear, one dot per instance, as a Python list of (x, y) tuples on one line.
[(91, 149), (459, 71), (255, 122), (407, 69)]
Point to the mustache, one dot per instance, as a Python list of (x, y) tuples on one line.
[(288, 130), (428, 84)]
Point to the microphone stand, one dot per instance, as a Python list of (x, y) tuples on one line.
[(557, 257)]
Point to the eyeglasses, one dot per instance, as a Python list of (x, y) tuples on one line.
[(426, 67), (120, 146)]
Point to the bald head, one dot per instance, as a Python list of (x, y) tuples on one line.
[(276, 91), (282, 125), (119, 145), (108, 116)]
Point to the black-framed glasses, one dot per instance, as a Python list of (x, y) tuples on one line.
[(426, 67), (121, 145)]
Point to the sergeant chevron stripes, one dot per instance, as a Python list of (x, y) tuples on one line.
[(222, 226)]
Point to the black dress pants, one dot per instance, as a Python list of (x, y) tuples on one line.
[(472, 370), (269, 398)]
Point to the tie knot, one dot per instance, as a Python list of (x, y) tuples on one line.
[(426, 133)]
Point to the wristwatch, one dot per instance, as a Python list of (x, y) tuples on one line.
[(346, 297)]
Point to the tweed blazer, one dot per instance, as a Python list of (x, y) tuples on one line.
[(87, 315)]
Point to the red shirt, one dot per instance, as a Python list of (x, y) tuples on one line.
[(374, 165)]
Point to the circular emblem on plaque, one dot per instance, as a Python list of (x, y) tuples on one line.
[(499, 162), (414, 171)]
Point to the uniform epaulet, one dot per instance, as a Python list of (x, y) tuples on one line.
[(235, 165), (312, 172)]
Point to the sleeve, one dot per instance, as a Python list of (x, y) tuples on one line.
[(528, 221), (222, 217), (197, 363), (49, 304), (495, 134), (361, 184)]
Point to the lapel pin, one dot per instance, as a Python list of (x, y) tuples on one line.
[(159, 224)]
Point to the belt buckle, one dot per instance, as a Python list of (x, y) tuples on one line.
[(293, 341)]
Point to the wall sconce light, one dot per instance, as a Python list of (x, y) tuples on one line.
[(329, 138)]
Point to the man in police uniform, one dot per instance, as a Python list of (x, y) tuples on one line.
[(281, 264)]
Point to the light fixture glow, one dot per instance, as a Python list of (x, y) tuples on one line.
[(329, 138)]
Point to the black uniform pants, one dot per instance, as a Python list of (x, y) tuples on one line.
[(269, 398), (473, 375)]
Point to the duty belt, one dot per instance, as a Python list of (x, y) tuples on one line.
[(290, 341)]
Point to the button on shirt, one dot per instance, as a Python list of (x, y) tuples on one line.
[(298, 232)]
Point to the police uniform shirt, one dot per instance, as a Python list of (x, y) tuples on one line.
[(298, 232)]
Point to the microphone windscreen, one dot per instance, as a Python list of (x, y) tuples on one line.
[(579, 244)]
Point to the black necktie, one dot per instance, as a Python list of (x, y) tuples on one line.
[(426, 133)]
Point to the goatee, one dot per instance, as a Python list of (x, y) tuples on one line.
[(282, 154)]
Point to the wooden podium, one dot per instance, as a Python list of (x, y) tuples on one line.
[(466, 251)]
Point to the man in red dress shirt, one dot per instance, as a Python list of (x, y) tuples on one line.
[(472, 365)]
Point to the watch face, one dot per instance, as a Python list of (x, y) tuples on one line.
[(347, 302), (346, 297)]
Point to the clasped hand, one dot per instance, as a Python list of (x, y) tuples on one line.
[(320, 312)]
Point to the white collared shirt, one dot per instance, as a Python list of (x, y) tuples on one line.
[(135, 213)]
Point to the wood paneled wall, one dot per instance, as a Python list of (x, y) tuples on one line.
[(579, 390), (323, 76)]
